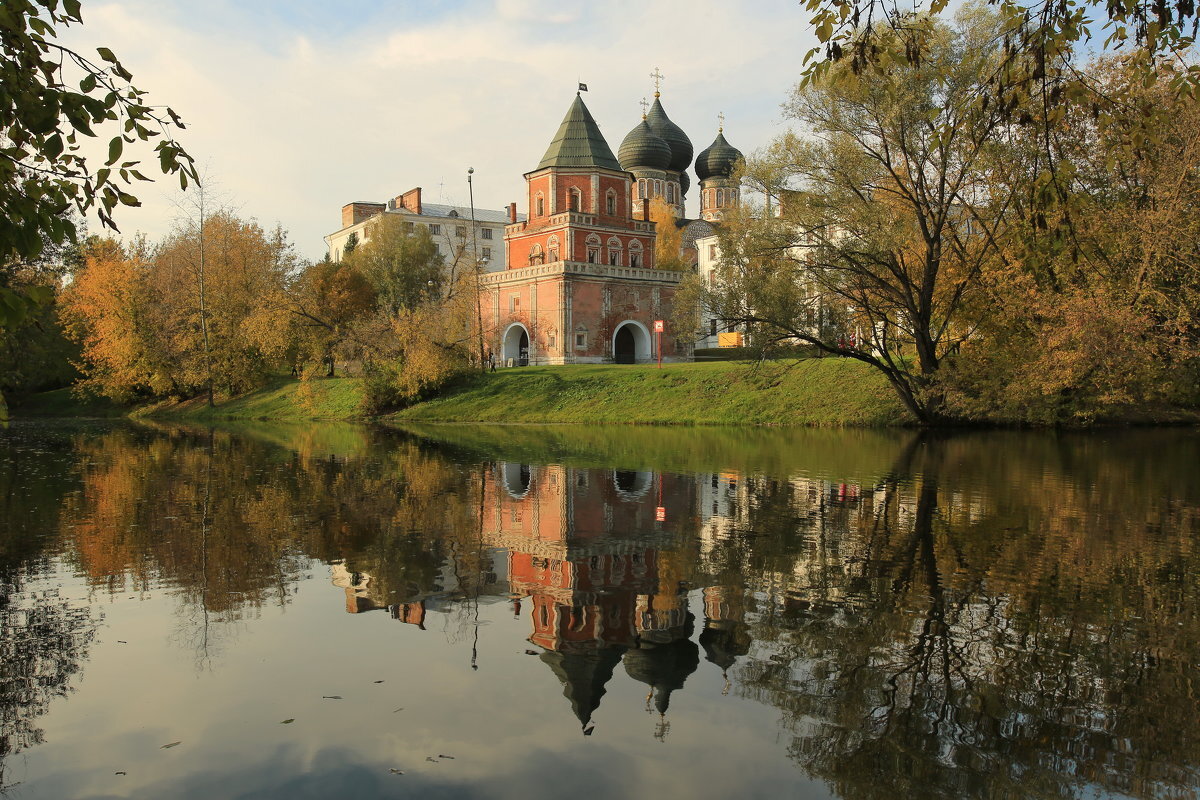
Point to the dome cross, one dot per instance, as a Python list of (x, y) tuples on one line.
[(658, 77)]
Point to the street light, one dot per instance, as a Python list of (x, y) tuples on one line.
[(475, 253)]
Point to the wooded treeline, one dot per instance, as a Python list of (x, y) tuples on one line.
[(221, 304), (1033, 257)]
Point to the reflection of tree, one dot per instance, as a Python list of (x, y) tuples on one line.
[(994, 643), (43, 637)]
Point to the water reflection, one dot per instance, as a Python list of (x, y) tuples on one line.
[(999, 615)]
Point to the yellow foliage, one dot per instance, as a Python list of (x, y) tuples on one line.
[(668, 247)]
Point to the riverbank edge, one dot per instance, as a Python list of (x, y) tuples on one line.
[(811, 392)]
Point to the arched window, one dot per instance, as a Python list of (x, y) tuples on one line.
[(610, 202), (540, 205), (658, 188), (576, 200), (535, 255), (635, 253), (642, 189), (552, 249), (670, 192), (614, 252), (593, 249)]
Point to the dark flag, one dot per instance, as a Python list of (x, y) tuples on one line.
[(583, 87)]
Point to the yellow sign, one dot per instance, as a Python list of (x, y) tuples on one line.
[(733, 339)]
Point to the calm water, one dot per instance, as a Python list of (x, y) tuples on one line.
[(336, 611)]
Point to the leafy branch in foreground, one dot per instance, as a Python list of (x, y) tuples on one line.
[(53, 98)]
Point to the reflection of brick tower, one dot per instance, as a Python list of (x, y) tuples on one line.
[(585, 547)]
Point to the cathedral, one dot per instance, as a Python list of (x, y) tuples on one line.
[(581, 284)]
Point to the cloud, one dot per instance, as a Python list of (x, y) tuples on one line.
[(298, 109)]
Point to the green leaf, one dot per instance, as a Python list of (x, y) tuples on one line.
[(107, 55), (114, 149)]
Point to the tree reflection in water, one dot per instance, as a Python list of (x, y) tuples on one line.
[(996, 615)]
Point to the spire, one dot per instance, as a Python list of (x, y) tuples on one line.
[(583, 677), (579, 142)]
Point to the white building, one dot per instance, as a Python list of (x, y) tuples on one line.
[(449, 226)]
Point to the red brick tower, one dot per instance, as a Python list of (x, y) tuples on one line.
[(581, 284)]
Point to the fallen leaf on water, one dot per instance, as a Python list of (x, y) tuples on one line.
[(431, 758), (531, 652), (331, 697), (168, 746), (379, 681), (122, 772), (122, 641), (396, 771), (398, 709), (288, 721), (442, 756)]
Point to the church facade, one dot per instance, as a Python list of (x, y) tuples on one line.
[(581, 284)]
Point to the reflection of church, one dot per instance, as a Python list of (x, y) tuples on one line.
[(603, 560), (603, 557)]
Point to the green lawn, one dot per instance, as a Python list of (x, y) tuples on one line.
[(829, 391)]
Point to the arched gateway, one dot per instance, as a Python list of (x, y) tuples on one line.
[(631, 343), (516, 345)]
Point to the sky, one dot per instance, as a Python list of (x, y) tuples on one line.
[(294, 109)]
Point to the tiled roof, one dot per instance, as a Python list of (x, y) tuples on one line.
[(579, 142)]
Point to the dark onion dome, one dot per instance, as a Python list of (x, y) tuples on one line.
[(684, 182), (718, 159), (642, 148), (672, 134)]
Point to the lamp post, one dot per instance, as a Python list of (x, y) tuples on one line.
[(475, 254)]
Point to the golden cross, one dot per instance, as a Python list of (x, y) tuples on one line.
[(645, 105), (658, 76), (721, 123)]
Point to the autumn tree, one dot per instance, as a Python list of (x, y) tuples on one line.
[(887, 216), (53, 97), (220, 278), (111, 309), (325, 300), (668, 244), (1107, 320), (404, 267)]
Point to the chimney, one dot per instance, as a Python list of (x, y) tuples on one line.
[(354, 213), (512, 213), (411, 200)]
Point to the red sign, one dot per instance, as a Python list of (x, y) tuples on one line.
[(660, 514), (658, 326)]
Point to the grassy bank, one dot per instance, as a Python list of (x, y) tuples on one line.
[(810, 392)]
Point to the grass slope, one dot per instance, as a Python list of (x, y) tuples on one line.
[(830, 391), (283, 399)]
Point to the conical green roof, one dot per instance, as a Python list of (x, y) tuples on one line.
[(579, 142), (583, 677)]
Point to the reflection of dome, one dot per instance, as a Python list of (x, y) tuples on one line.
[(723, 642), (718, 159), (643, 148), (663, 667), (583, 676), (672, 134)]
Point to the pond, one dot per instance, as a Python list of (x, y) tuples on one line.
[(526, 612)]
